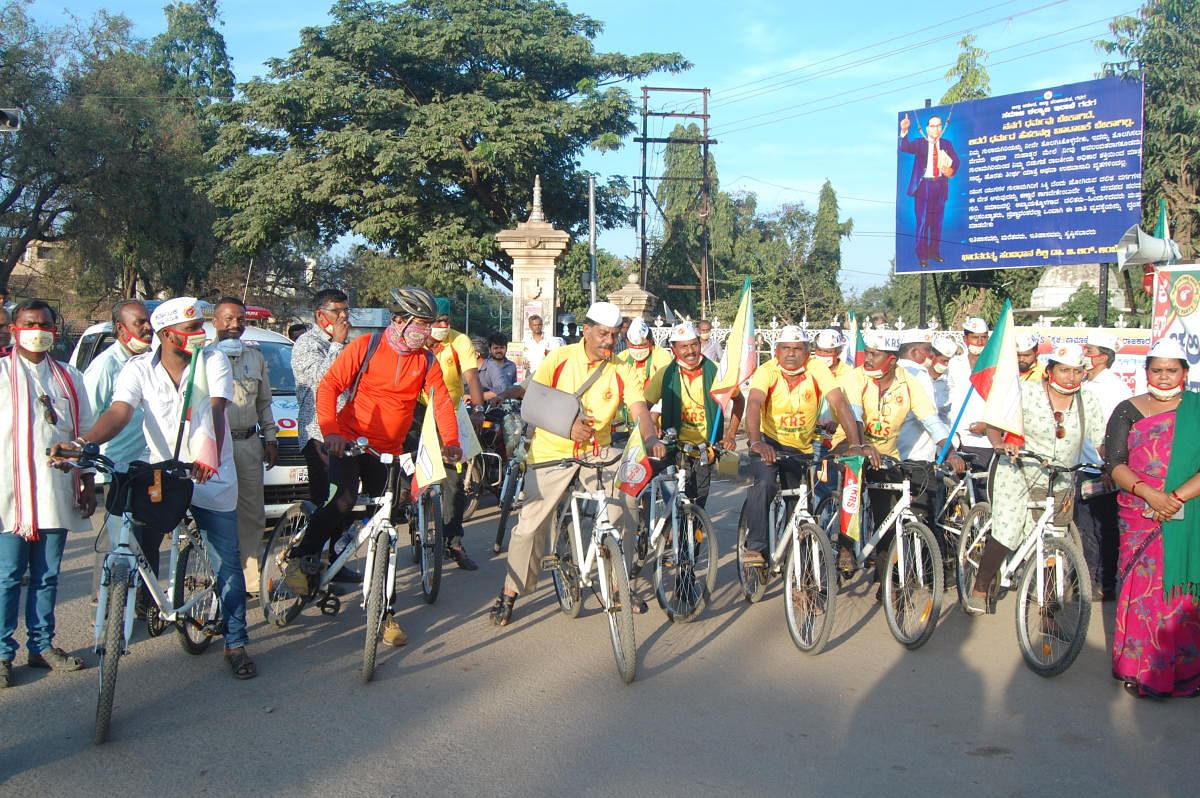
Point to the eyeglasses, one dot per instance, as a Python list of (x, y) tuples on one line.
[(51, 416), (1060, 431)]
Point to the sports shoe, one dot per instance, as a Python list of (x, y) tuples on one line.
[(393, 635)]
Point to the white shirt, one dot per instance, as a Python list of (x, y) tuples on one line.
[(915, 442), (55, 489), (932, 157), (145, 383), (958, 374), (534, 352)]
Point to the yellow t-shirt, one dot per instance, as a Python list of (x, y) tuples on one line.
[(882, 416), (789, 413), (456, 355), (693, 423), (566, 368), (1035, 374), (658, 360)]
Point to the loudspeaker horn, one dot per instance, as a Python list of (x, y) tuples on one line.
[(1137, 248)]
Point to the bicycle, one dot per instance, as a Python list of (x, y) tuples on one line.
[(950, 519), (485, 471), (685, 553), (914, 579), (1053, 586), (799, 548), (194, 606), (601, 566), (281, 605)]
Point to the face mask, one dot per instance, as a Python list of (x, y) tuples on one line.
[(975, 349), (940, 368), (639, 353), (791, 373), (137, 345), (1163, 394), (1062, 389), (416, 333), (191, 342), (439, 333), (705, 336), (324, 323), (34, 340), (232, 347), (1098, 361), (828, 360), (873, 373)]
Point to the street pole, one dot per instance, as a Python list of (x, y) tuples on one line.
[(1102, 316), (592, 232), (923, 315), (467, 322)]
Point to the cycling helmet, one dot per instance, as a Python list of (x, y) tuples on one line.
[(413, 301)]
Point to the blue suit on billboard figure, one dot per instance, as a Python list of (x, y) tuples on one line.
[(934, 162)]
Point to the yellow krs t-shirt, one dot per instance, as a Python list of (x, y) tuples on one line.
[(455, 355), (566, 368), (789, 413), (658, 359), (693, 423), (883, 415)]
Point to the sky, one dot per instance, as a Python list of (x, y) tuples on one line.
[(799, 95)]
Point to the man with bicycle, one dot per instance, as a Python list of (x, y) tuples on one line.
[(781, 419), (683, 387), (381, 385), (568, 369), (157, 382)]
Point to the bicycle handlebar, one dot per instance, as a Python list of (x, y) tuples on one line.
[(570, 461), (89, 457), (1050, 467)]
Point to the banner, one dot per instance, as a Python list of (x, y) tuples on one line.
[(1045, 177), (1177, 312), (851, 518), (1130, 364)]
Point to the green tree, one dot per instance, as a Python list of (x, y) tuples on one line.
[(824, 263), (1161, 46), (676, 259), (420, 127), (970, 76), (574, 265), (1083, 303)]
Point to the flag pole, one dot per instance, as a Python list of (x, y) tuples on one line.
[(950, 438), (187, 402)]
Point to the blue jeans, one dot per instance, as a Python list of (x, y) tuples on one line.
[(220, 532), (42, 559)]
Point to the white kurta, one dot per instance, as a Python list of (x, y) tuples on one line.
[(55, 489), (958, 375)]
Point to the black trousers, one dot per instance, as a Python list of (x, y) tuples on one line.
[(345, 474), (1099, 531), (791, 474), (317, 460), (924, 490)]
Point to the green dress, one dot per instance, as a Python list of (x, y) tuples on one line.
[(1011, 518)]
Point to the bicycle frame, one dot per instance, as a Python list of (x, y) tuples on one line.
[(1035, 544), (900, 513), (601, 527), (128, 550), (965, 486), (669, 486)]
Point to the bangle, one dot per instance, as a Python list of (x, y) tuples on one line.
[(1175, 495), (1134, 486)]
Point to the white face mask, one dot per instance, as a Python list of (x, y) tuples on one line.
[(828, 360), (439, 333), (792, 373), (1058, 387), (873, 373), (232, 347), (35, 340), (639, 353), (1164, 394), (137, 345), (705, 336), (975, 349), (940, 368)]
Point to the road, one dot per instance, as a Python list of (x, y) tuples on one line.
[(722, 706)]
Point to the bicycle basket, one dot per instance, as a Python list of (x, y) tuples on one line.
[(153, 494)]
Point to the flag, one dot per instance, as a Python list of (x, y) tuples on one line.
[(197, 413), (856, 346), (851, 496), (998, 380), (669, 314), (635, 472), (741, 355), (428, 462), (466, 433)]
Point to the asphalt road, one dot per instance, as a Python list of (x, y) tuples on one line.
[(722, 706)]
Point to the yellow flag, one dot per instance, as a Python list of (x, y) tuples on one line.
[(466, 433), (429, 467)]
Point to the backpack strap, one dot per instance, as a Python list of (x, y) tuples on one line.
[(376, 337)]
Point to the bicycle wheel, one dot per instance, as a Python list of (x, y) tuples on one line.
[(376, 602), (433, 547), (474, 485), (619, 609), (194, 577), (567, 585), (114, 645), (684, 586), (280, 605), (1052, 617), (810, 589), (752, 578), (508, 495), (911, 605), (828, 516), (976, 528)]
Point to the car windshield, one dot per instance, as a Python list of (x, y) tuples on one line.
[(279, 366)]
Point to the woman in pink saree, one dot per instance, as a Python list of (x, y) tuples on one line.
[(1156, 647)]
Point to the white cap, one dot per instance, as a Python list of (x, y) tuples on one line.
[(914, 335), (945, 345), (1027, 341), (828, 339), (605, 313), (1104, 341), (1167, 347), (684, 331), (1068, 355), (179, 310), (791, 334), (884, 341), (975, 325), (638, 332)]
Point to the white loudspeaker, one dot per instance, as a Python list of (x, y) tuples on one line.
[(1137, 247)]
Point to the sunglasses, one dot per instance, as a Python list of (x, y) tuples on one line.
[(1060, 431), (51, 416)]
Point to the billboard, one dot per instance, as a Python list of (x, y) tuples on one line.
[(1177, 312), (1132, 345), (1046, 177)]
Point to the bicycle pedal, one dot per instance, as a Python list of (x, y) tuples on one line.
[(329, 604), (211, 629), (550, 562)]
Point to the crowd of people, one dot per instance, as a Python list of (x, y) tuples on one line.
[(910, 399)]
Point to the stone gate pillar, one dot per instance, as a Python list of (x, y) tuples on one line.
[(534, 247)]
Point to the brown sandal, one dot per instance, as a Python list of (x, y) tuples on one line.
[(243, 667)]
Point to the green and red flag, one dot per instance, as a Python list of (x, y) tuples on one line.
[(197, 420), (856, 346), (998, 379), (634, 472), (741, 355), (851, 496)]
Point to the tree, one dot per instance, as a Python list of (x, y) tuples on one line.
[(970, 76), (676, 259), (1161, 46), (824, 262), (1085, 303), (420, 126), (610, 272)]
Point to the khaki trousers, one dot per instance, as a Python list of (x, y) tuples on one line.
[(252, 515), (545, 489)]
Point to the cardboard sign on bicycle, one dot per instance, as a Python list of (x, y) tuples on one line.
[(852, 496)]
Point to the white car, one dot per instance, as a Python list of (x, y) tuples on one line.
[(287, 482)]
